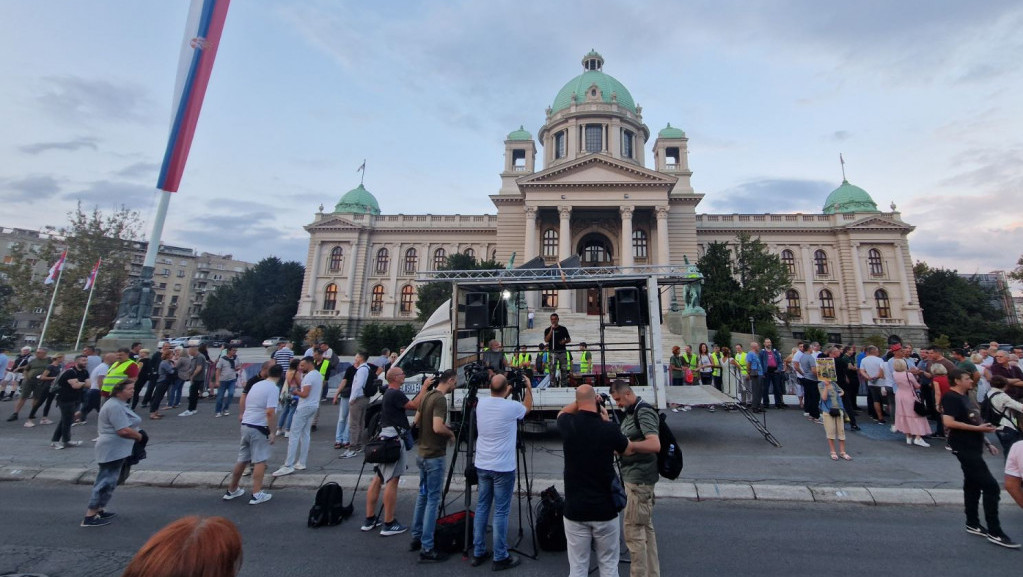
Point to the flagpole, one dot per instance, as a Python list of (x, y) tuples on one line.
[(88, 303), (53, 299)]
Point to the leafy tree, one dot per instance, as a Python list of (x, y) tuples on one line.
[(741, 280), (719, 285), (723, 337), (878, 341), (297, 336), (6, 314), (960, 308), (431, 295), (815, 335), (260, 301), (375, 337), (1017, 273)]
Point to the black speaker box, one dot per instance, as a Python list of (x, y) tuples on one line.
[(477, 310)]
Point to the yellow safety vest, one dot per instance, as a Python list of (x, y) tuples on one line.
[(693, 361), (741, 359), (584, 361), (522, 360), (115, 375), (324, 367), (716, 359)]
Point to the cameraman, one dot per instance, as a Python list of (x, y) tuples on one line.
[(590, 442), (434, 436), (497, 418), (639, 474)]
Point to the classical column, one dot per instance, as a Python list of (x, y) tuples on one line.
[(565, 251), (662, 235), (353, 257), (859, 279), (626, 249), (808, 272), (531, 251), (903, 275)]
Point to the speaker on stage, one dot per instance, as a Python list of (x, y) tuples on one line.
[(477, 310), (628, 307)]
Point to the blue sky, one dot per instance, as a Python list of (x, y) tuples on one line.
[(922, 98)]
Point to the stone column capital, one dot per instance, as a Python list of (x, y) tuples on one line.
[(565, 211), (662, 212), (530, 211), (627, 211)]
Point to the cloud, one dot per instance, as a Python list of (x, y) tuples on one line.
[(139, 170), (114, 194), (772, 195), (70, 145), (29, 188), (88, 99), (246, 241)]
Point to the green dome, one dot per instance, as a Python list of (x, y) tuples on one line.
[(671, 132), (607, 84), (849, 198), (358, 201), (520, 134)]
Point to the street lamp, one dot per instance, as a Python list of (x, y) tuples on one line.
[(753, 328)]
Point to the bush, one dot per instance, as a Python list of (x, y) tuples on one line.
[(878, 341), (375, 337), (297, 337), (723, 337), (815, 335)]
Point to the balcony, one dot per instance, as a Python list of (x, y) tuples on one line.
[(888, 321)]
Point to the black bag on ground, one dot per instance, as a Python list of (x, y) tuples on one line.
[(550, 521), (329, 508), (384, 450), (449, 533)]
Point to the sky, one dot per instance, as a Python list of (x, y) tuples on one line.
[(921, 97)]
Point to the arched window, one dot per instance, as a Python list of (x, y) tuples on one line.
[(337, 258), (330, 297), (549, 299), (820, 262), (408, 298), (884, 306), (383, 261), (792, 306), (874, 261), (440, 258), (411, 261), (639, 244), (377, 304), (470, 253), (550, 243), (789, 260), (827, 304)]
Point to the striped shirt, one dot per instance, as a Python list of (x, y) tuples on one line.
[(283, 357)]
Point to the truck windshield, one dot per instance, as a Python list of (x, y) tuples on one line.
[(421, 358)]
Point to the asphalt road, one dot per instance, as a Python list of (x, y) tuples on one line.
[(40, 534)]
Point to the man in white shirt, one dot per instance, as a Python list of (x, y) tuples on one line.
[(872, 371), (308, 394), (92, 396), (357, 404), (257, 412), (1014, 473)]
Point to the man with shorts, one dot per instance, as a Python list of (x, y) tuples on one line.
[(13, 378), (257, 412), (31, 386)]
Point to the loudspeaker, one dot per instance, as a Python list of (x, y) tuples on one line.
[(477, 310), (628, 307)]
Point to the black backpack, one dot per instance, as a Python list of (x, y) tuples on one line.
[(988, 414), (329, 508), (550, 521), (669, 460)]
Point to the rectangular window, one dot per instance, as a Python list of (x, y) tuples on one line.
[(594, 138), (559, 144), (626, 144)]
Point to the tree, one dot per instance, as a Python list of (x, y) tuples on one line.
[(723, 337), (719, 285), (1017, 273), (260, 301), (878, 341), (6, 315), (431, 295), (815, 335), (375, 337), (959, 307), (741, 281)]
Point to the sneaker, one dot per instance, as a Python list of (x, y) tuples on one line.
[(894, 429), (477, 561), (78, 423), (280, 432), (95, 521), (674, 409), (29, 424), (300, 467), (711, 409), (260, 497), (14, 417), (392, 528), (978, 530), (350, 453), (186, 413), (205, 394), (218, 415), (225, 413), (370, 523), (921, 443), (685, 408), (506, 563), (1003, 540), (287, 434), (45, 421), (433, 556), (106, 514), (73, 444), (234, 494), (58, 445), (415, 545), (284, 470)]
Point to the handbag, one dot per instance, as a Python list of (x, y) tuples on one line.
[(919, 407), (384, 450), (618, 493), (835, 412)]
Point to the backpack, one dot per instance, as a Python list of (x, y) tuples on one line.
[(669, 460), (329, 508), (550, 521), (988, 414), (372, 387)]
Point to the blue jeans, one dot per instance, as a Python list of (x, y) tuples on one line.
[(495, 489), (341, 432), (106, 482), (287, 414), (174, 396), (224, 394), (431, 481)]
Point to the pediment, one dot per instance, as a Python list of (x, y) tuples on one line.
[(878, 223), (337, 222), (596, 169)]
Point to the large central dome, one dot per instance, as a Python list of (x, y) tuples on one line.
[(593, 75)]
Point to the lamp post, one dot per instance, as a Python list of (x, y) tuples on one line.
[(753, 328)]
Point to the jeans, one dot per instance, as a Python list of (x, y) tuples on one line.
[(106, 482), (495, 489), (1007, 437), (341, 433), (174, 395), (90, 403), (224, 395), (63, 431), (158, 394), (287, 414), (756, 384), (298, 441), (775, 384), (811, 398), (640, 537), (977, 480), (603, 535), (431, 481)]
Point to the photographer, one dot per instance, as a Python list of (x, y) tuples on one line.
[(434, 436), (590, 442), (639, 474), (497, 418)]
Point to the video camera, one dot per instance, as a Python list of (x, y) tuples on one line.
[(517, 380), (435, 375), (476, 375)]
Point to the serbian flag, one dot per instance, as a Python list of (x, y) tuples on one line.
[(202, 36), (55, 269), (89, 282)]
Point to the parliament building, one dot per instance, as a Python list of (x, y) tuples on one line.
[(595, 194)]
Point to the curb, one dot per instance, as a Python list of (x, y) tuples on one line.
[(692, 491)]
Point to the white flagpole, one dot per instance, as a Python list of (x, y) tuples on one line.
[(94, 276), (53, 299)]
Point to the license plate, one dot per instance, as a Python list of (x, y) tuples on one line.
[(411, 388)]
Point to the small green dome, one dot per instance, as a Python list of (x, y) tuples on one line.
[(608, 85), (849, 198), (520, 134), (671, 132), (358, 201)]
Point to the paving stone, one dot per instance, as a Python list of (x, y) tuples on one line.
[(56, 474), (152, 478), (900, 496), (676, 490), (729, 491), (18, 473), (298, 480), (782, 493), (842, 495)]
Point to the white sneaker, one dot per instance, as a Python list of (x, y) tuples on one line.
[(29, 424), (225, 413), (58, 446), (234, 494), (45, 421), (300, 467), (218, 415), (287, 434), (349, 454), (73, 444), (921, 443), (894, 430), (284, 470), (186, 413), (260, 497)]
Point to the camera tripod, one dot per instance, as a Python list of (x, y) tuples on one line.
[(623, 555), (522, 472)]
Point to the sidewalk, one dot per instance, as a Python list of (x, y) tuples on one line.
[(725, 458)]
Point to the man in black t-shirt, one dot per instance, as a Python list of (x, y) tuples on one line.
[(556, 337), (590, 441), (71, 386), (961, 417)]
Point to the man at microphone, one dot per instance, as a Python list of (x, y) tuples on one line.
[(556, 337)]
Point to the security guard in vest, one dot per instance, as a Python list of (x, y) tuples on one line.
[(123, 369), (522, 360), (744, 388), (691, 359), (322, 365), (715, 359), (585, 359)]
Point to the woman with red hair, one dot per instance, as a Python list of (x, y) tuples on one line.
[(193, 546)]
